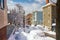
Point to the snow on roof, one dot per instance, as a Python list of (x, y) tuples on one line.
[(48, 5), (54, 24)]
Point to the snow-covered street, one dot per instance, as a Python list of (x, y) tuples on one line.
[(30, 33)]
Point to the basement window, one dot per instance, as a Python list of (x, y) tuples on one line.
[(1, 4)]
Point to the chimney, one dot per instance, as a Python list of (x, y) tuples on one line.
[(47, 1)]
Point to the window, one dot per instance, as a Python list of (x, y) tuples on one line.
[(2, 4)]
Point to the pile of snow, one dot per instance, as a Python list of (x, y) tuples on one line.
[(37, 32), (12, 37), (31, 33), (46, 29), (34, 34), (38, 35), (27, 29), (20, 35), (39, 25), (49, 38), (52, 33), (32, 25), (54, 24)]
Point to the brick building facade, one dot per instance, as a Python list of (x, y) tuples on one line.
[(29, 19), (3, 19)]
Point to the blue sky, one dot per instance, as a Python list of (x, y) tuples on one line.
[(26, 1), (28, 5)]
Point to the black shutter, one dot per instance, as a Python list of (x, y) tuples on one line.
[(3, 4), (0, 3)]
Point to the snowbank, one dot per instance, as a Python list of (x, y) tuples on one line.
[(31, 33)]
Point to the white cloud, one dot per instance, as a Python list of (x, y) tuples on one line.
[(53, 1), (35, 5), (38, 0), (10, 4), (28, 7)]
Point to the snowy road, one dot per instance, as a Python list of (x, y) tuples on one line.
[(31, 33)]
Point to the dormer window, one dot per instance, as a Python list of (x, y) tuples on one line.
[(2, 4)]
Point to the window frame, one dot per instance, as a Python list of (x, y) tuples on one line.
[(1, 4)]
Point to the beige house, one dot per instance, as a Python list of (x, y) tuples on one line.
[(49, 15)]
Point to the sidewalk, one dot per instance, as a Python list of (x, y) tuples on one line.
[(12, 37)]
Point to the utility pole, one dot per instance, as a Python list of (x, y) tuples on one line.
[(58, 20)]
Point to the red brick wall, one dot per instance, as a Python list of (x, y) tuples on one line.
[(29, 19), (3, 22), (3, 34), (3, 15)]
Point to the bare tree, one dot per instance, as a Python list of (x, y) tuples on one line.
[(11, 16), (16, 16), (21, 14)]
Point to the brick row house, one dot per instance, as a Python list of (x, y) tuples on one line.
[(29, 19), (3, 19)]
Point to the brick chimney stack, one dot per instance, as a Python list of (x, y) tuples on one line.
[(47, 1)]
